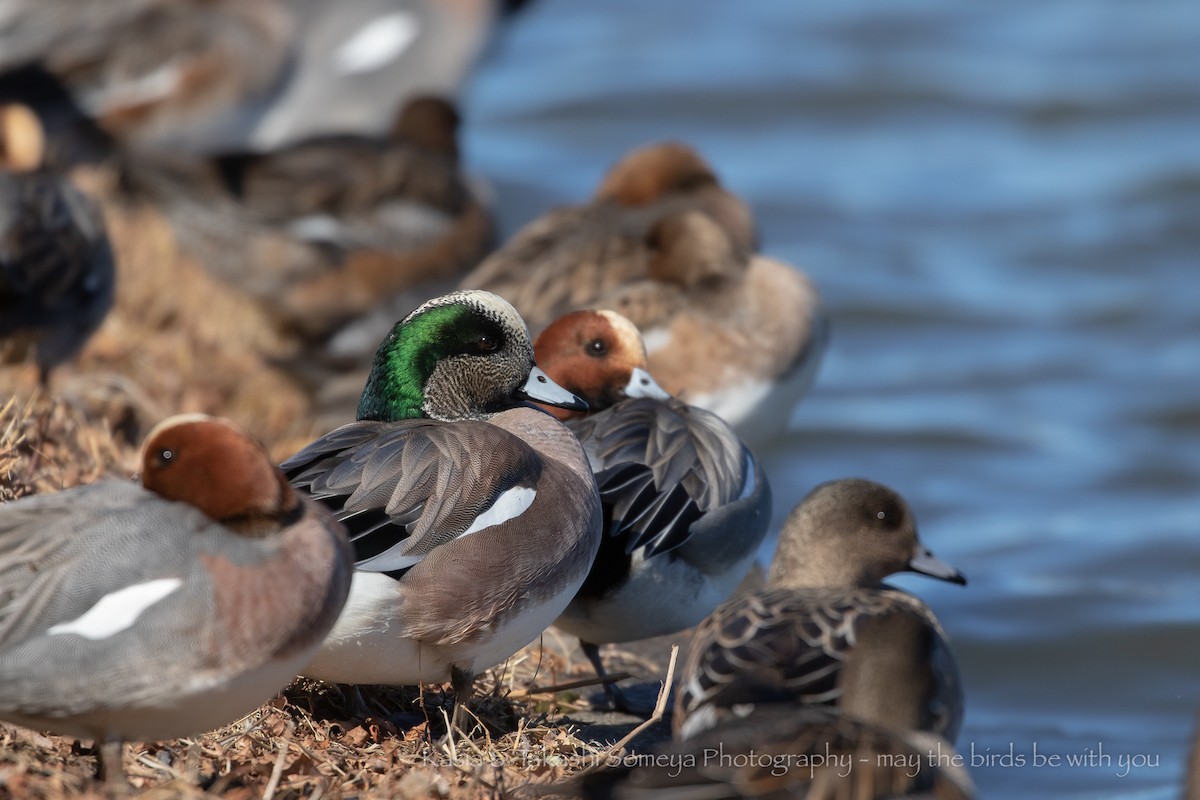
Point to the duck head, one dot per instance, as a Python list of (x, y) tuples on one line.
[(672, 175), (598, 355), (852, 533), (465, 355), (217, 467)]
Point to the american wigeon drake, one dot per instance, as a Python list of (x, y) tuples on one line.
[(331, 227), (686, 504), (148, 73), (826, 630), (56, 266), (170, 608), (474, 516), (667, 246), (790, 751)]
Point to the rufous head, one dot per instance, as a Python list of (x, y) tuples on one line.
[(217, 467), (650, 173), (598, 355)]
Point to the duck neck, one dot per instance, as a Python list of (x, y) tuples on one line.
[(395, 389), (805, 564)]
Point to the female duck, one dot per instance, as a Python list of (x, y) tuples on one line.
[(686, 505), (335, 226), (167, 609), (827, 630), (474, 516), (667, 246)]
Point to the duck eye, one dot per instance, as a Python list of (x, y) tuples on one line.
[(163, 458), (889, 516), (487, 343), (597, 347)]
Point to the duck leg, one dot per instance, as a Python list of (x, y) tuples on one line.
[(461, 683), (617, 699), (109, 767)]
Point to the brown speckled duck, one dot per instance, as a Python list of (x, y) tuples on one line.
[(666, 245), (145, 72), (826, 630), (332, 227)]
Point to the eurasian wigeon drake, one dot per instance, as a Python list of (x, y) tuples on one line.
[(686, 504), (667, 246), (791, 751), (826, 630), (474, 516), (146, 72), (332, 227), (56, 266), (170, 608)]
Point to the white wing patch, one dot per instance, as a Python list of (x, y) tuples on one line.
[(513, 503), (118, 610), (375, 44)]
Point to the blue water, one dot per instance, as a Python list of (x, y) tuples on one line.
[(1001, 205)]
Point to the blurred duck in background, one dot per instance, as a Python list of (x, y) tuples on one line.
[(350, 53), (332, 227), (56, 265), (666, 245), (140, 74), (202, 76)]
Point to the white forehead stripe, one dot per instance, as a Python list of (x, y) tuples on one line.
[(118, 610), (509, 505)]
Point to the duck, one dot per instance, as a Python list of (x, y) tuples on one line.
[(57, 272), (789, 751), (826, 630), (166, 607), (348, 55), (333, 227), (686, 503), (666, 245), (141, 75), (474, 515)]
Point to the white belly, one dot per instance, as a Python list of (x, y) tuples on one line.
[(661, 596), (366, 644)]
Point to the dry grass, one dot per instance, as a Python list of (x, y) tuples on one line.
[(177, 341), (315, 741)]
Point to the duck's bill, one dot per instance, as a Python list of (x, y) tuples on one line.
[(642, 385), (926, 563), (539, 387)]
